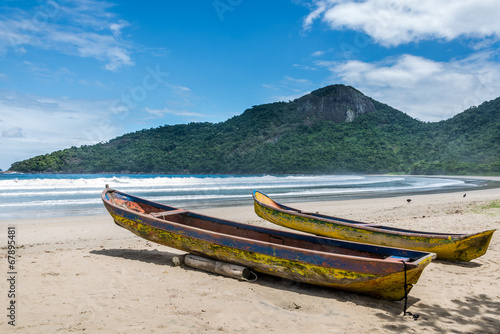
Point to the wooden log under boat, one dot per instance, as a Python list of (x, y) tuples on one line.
[(365, 269), (451, 247)]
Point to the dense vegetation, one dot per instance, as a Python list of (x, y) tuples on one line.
[(275, 138)]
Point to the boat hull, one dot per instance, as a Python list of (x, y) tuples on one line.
[(452, 247), (376, 277)]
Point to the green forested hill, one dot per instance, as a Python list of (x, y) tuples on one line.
[(335, 129)]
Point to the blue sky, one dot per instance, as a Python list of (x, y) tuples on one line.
[(82, 71)]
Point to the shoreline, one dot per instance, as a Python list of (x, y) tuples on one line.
[(84, 273), (96, 209)]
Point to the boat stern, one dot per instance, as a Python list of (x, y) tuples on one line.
[(469, 248)]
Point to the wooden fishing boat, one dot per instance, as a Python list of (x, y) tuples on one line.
[(382, 272), (452, 247)]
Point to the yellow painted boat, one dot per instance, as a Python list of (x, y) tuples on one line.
[(451, 247), (381, 272)]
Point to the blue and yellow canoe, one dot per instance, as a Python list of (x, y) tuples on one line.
[(451, 247), (365, 269)]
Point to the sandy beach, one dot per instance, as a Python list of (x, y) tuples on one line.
[(85, 274)]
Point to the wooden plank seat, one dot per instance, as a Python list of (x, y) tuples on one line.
[(162, 214), (394, 258)]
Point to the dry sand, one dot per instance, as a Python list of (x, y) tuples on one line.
[(85, 274)]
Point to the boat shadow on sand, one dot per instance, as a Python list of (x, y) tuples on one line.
[(478, 313), (475, 314), (144, 255), (471, 265), (296, 288)]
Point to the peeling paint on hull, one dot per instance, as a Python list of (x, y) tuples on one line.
[(353, 267), (451, 247)]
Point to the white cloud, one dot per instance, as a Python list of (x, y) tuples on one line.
[(423, 88), (16, 132), (179, 91), (395, 22), (116, 28), (318, 53), (35, 125), (41, 70), (166, 111), (289, 89), (82, 28), (90, 45), (320, 9)]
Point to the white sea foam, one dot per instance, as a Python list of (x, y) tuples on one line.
[(79, 194)]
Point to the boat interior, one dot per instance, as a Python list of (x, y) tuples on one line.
[(271, 203), (296, 239)]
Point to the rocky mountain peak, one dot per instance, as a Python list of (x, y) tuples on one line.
[(336, 103)]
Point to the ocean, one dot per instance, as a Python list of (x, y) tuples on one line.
[(53, 195)]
